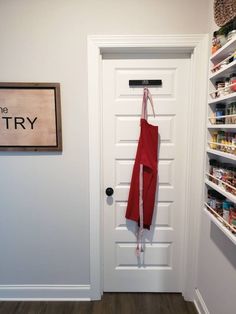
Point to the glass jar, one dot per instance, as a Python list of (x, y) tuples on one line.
[(211, 198), (234, 181), (232, 217), (226, 208), (214, 166), (233, 112), (228, 142), (222, 39), (229, 177), (233, 81), (220, 111), (219, 203), (227, 113), (213, 145), (233, 143), (227, 89), (231, 35), (224, 167), (221, 140), (219, 174), (219, 88)]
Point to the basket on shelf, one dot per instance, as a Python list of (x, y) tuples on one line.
[(224, 11)]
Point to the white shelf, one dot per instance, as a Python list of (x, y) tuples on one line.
[(224, 51), (219, 224), (221, 126), (221, 154), (225, 99), (225, 72), (214, 186)]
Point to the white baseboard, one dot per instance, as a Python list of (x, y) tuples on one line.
[(45, 292), (199, 303)]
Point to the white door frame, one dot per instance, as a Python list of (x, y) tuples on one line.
[(197, 45)]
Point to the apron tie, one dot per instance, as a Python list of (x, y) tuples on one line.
[(147, 96), (139, 249)]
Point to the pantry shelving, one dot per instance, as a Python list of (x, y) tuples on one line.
[(221, 141), (220, 224), (222, 183), (221, 154), (220, 190), (221, 126), (226, 99), (223, 52), (223, 72)]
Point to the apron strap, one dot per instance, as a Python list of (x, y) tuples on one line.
[(147, 96), (140, 231)]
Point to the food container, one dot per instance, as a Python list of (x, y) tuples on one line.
[(226, 209), (233, 81), (220, 111), (231, 35), (220, 88)]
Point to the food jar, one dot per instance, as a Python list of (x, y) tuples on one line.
[(227, 89), (233, 81), (220, 111), (220, 88), (213, 145), (226, 209), (229, 177), (214, 165), (219, 203), (231, 35), (233, 112), (232, 217)]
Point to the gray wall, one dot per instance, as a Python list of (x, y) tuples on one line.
[(44, 216), (216, 278)]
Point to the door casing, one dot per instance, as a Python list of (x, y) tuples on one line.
[(197, 45)]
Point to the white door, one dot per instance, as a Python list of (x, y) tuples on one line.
[(160, 267)]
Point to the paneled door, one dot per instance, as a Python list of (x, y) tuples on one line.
[(160, 268)]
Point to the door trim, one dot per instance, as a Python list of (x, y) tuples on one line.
[(197, 45)]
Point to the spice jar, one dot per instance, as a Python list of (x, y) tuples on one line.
[(214, 140), (224, 174), (220, 88), (226, 208), (233, 143), (231, 35), (228, 142), (222, 39), (218, 174), (232, 217), (221, 140), (214, 164), (227, 89), (233, 112), (229, 177), (215, 201), (219, 203), (220, 111), (227, 113), (224, 64), (233, 81), (234, 181), (215, 43)]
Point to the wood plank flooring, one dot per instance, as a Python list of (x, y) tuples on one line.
[(111, 303)]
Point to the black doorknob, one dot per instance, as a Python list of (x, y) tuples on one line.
[(109, 191)]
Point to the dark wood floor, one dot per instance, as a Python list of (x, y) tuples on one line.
[(111, 303)]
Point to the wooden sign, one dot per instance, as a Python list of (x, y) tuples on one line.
[(30, 117)]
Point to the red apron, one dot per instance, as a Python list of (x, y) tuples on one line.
[(142, 192)]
